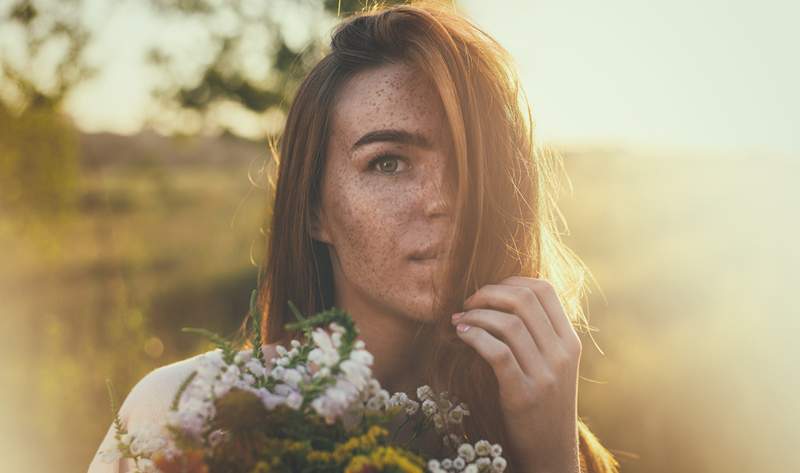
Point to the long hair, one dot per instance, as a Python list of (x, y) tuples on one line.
[(505, 218)]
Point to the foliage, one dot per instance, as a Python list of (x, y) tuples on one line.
[(256, 64), (39, 168), (49, 31)]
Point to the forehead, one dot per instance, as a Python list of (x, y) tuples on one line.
[(386, 96)]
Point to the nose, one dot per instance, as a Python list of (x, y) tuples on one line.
[(437, 198)]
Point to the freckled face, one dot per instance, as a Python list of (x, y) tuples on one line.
[(383, 193)]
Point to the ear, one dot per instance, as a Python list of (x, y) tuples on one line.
[(319, 226)]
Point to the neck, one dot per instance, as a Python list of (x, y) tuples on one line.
[(400, 353)]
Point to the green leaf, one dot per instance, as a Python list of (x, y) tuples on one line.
[(221, 342), (185, 384)]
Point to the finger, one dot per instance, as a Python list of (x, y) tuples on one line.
[(523, 302), (510, 329), (498, 355), (548, 297)]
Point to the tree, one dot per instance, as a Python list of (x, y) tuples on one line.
[(43, 58), (255, 65), (41, 61)]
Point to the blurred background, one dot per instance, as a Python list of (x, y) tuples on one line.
[(133, 132)]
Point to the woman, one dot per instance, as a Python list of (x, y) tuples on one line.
[(408, 190)]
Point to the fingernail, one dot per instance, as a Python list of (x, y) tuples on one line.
[(457, 316), (462, 327)]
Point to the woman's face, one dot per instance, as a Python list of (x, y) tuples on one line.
[(388, 177)]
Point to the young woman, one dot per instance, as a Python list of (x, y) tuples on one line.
[(409, 193)]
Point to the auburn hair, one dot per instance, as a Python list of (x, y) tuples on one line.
[(505, 218)]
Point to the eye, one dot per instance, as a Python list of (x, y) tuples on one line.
[(386, 163)]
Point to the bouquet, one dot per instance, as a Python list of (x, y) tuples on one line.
[(314, 408)]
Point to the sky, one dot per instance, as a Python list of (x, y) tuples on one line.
[(708, 75)]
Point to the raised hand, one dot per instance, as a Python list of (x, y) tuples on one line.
[(519, 327)]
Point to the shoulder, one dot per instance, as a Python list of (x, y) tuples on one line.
[(151, 397), (149, 401)]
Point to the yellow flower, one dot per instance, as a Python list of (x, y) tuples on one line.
[(383, 457)]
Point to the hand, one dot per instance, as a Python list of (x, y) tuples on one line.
[(519, 327)]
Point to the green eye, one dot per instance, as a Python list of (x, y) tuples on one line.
[(387, 164)]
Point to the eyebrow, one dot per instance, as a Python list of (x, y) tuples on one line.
[(393, 135)]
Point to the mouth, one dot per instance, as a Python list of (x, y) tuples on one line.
[(427, 254)]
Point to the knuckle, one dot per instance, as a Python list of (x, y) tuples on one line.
[(547, 382), (511, 324), (545, 285), (526, 295), (562, 361), (502, 354)]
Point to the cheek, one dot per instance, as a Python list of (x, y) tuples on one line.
[(369, 220)]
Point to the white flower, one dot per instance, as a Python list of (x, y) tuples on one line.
[(359, 345), (362, 356), (277, 372), (281, 350), (255, 367), (217, 436), (447, 463), (295, 343), (459, 463), (242, 357), (294, 400), (356, 373), (433, 464), (497, 450), (398, 399), (144, 465), (471, 469), (483, 464), (335, 400), (424, 392), (429, 407), (283, 389), (466, 452), (483, 448), (325, 353), (292, 377), (499, 464), (269, 399), (232, 373), (191, 416), (373, 387), (412, 407), (336, 328), (456, 415), (374, 404), (147, 440)]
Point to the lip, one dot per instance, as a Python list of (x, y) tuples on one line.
[(428, 253)]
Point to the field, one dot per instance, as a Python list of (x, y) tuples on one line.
[(694, 255)]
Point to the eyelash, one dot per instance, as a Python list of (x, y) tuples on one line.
[(386, 157)]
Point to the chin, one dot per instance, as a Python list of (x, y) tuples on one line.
[(420, 310)]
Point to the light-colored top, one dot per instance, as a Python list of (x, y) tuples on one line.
[(148, 403)]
